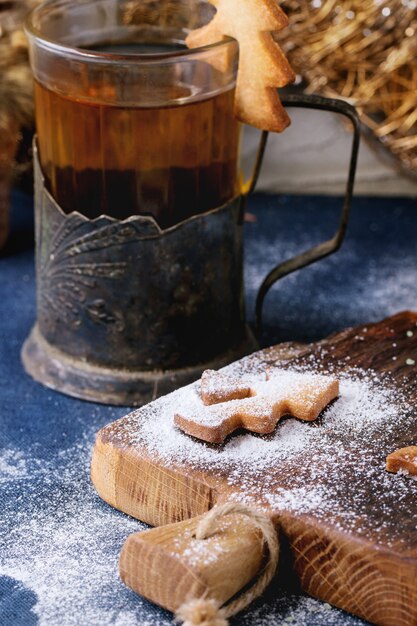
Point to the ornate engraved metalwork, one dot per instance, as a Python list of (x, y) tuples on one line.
[(125, 296), (127, 312)]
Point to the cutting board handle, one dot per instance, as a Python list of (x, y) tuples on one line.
[(210, 557)]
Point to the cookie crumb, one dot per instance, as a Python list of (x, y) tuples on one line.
[(403, 461)]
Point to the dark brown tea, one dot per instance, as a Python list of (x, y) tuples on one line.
[(171, 162)]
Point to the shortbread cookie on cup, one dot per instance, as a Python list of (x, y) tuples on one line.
[(263, 66)]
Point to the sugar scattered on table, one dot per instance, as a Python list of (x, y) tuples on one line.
[(61, 549), (293, 610), (66, 552), (12, 465)]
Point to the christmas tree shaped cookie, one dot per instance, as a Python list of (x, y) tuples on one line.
[(228, 404), (262, 65)]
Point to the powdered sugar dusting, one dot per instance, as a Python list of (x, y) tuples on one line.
[(362, 406), (268, 399), (333, 468), (304, 499), (12, 465), (64, 546), (57, 545), (297, 611), (404, 472)]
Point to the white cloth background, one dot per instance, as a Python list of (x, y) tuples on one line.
[(312, 156)]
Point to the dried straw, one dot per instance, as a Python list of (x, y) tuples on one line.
[(365, 52), (362, 50), (16, 99)]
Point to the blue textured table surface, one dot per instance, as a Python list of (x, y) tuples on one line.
[(60, 543)]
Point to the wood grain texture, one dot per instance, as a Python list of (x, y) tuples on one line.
[(168, 565), (348, 572), (364, 560)]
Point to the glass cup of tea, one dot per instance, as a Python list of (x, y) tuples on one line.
[(139, 199), (129, 122)]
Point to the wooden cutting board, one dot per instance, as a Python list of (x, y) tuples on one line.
[(351, 526)]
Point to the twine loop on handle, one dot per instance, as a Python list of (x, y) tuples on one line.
[(208, 612)]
